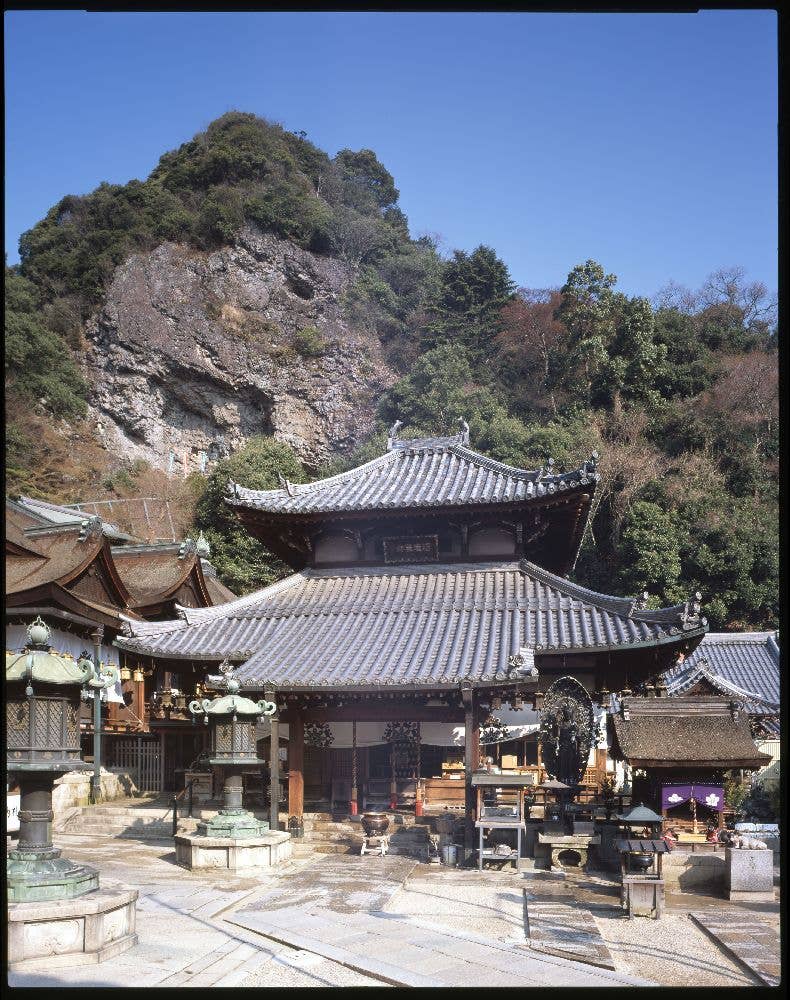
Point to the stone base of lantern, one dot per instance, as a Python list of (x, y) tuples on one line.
[(71, 932), (199, 852), (235, 824), (44, 876)]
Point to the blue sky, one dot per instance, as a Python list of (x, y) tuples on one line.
[(647, 142)]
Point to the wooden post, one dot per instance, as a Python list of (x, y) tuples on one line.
[(353, 803), (471, 757), (274, 766), (295, 772)]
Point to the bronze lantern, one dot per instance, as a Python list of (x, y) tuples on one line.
[(233, 719), (43, 741)]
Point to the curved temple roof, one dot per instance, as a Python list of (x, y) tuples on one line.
[(429, 625), (415, 474)]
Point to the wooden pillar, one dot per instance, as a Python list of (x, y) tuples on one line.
[(295, 772), (352, 805), (471, 757), (274, 766)]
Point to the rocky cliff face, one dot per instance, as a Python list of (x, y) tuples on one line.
[(193, 353)]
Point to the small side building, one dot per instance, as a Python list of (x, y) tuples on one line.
[(679, 750)]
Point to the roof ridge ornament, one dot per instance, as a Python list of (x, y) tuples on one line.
[(285, 484), (392, 437), (89, 527), (202, 546), (591, 465), (692, 609), (547, 470), (187, 547), (464, 432)]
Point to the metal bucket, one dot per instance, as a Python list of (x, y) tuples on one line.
[(450, 855)]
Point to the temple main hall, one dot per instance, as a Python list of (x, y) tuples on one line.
[(429, 593)]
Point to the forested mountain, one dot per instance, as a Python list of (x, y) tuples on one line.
[(275, 285)]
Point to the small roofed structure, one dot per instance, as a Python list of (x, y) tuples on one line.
[(683, 741), (61, 563)]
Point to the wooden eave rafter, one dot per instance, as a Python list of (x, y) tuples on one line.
[(53, 595)]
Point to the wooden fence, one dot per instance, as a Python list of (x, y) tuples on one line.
[(142, 757)]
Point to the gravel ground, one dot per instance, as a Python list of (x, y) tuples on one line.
[(672, 951), (303, 968)]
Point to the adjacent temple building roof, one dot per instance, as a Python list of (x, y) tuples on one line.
[(739, 665), (696, 730), (425, 478), (405, 626), (61, 562)]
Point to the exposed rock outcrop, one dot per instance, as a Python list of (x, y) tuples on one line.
[(193, 353)]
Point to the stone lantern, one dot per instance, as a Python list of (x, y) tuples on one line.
[(233, 838), (43, 692)]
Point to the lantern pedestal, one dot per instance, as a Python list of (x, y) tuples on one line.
[(250, 853), (62, 933), (233, 839)]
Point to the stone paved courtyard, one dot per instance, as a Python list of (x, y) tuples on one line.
[(342, 920)]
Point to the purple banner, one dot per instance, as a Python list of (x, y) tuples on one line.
[(704, 795)]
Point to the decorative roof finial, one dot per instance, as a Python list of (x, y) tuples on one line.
[(90, 526), (38, 633), (691, 612), (393, 434), (187, 547), (464, 431), (548, 469), (202, 546)]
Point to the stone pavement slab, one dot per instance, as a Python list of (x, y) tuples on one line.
[(566, 929), (351, 915), (751, 940)]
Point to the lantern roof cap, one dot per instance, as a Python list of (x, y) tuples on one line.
[(46, 667), (641, 814), (232, 704)]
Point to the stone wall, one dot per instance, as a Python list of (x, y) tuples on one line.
[(73, 790), (694, 871)]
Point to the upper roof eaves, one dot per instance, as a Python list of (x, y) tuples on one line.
[(418, 473)]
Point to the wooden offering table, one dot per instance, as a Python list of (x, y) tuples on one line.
[(500, 817)]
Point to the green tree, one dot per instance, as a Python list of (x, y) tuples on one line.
[(39, 365), (650, 552), (473, 289), (241, 561)]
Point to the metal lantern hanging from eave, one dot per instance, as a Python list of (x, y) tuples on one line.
[(43, 693), (233, 718)]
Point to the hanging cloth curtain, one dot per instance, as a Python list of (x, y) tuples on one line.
[(706, 795)]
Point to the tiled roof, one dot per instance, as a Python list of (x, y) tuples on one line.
[(682, 731), (219, 593), (417, 473), (406, 626), (748, 661), (53, 513)]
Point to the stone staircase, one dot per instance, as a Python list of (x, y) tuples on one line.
[(144, 818), (325, 834)]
